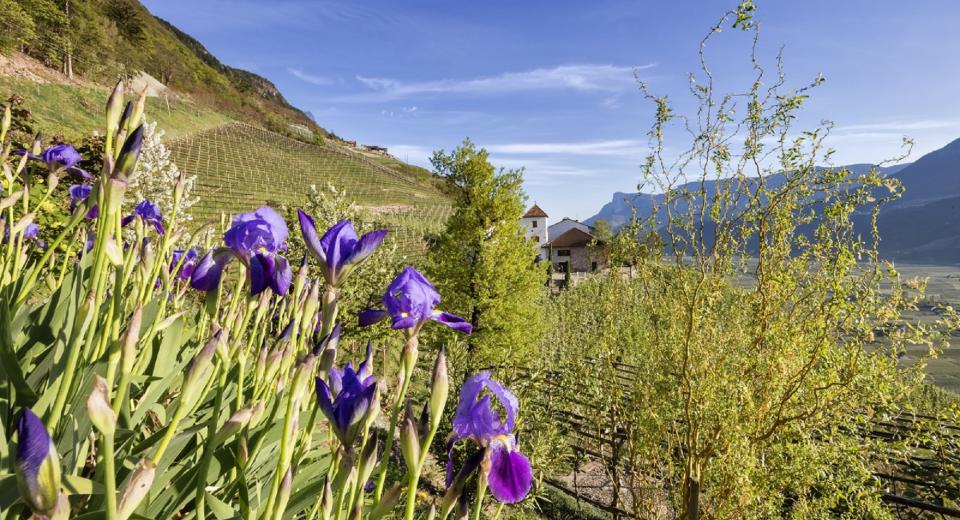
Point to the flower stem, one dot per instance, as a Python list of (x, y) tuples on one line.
[(481, 491), (407, 364), (109, 476), (208, 449)]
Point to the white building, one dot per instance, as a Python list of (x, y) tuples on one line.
[(535, 220), (566, 224)]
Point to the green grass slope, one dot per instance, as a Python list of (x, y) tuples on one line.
[(74, 111)]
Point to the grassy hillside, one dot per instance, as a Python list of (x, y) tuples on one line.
[(102, 40), (75, 111)]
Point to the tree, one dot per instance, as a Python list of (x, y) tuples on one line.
[(16, 26), (602, 236), (483, 264)]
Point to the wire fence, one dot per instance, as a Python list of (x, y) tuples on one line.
[(240, 166)]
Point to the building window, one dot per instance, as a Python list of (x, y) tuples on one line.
[(536, 238), (534, 223), (563, 252)]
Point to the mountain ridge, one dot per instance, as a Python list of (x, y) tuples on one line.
[(919, 227)]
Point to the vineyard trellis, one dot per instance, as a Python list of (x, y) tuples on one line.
[(917, 475), (239, 166)]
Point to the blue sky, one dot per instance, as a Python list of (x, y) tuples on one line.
[(550, 85)]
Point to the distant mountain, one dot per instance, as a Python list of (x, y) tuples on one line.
[(619, 210), (923, 226)]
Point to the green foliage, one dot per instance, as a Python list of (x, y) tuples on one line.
[(16, 26), (734, 376), (484, 264), (162, 402)]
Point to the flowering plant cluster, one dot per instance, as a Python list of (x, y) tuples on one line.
[(146, 380)]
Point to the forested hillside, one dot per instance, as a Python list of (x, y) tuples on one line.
[(102, 40)]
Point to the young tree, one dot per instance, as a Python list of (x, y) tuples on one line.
[(602, 237), (483, 263)]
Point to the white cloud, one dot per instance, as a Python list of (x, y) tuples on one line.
[(582, 78), (310, 78), (615, 147), (411, 153)]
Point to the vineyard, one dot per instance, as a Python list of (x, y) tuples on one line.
[(239, 166)]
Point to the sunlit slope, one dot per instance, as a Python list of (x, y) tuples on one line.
[(239, 166)]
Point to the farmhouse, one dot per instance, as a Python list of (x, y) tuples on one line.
[(566, 224), (572, 251)]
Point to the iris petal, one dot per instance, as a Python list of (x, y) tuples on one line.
[(454, 322), (510, 475), (206, 276), (310, 237), (371, 316), (262, 268), (282, 276), (366, 246)]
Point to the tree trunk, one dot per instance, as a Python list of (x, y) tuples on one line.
[(68, 59)]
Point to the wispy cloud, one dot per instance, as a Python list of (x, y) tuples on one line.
[(615, 148), (310, 78), (582, 78), (897, 126)]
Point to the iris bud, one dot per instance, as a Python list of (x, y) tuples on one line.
[(137, 487), (285, 486), (11, 199), (22, 224), (237, 421), (410, 441), (326, 501), (98, 408), (368, 459), (7, 121), (195, 377), (114, 253), (129, 154), (37, 140), (179, 188), (53, 179), (440, 389), (116, 187), (37, 465), (114, 110), (135, 118)]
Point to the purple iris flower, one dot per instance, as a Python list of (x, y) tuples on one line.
[(79, 193), (148, 212), (339, 250), (348, 398), (37, 463), (410, 302), (59, 157), (511, 474), (29, 233), (254, 238), (189, 263)]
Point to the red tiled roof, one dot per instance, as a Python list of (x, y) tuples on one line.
[(535, 212), (573, 237)]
